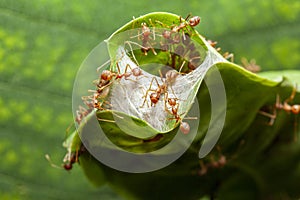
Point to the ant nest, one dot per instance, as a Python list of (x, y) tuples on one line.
[(132, 95)]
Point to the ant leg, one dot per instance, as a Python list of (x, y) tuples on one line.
[(187, 17), (153, 27), (51, 163), (145, 98), (162, 24), (105, 120), (129, 44), (166, 98), (203, 168), (133, 24), (291, 98), (118, 68), (182, 65), (271, 116), (228, 56), (152, 49), (274, 114), (149, 89), (126, 68), (138, 35)]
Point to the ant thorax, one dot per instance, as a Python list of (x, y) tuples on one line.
[(169, 92)]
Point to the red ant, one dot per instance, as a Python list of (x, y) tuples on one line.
[(146, 38), (81, 113), (250, 66), (193, 21), (219, 163), (146, 46), (106, 80), (70, 159), (295, 109), (161, 89), (184, 126), (228, 56), (107, 75)]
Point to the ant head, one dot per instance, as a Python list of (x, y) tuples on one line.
[(172, 101), (295, 109), (194, 21), (212, 43), (166, 34), (145, 29), (106, 75), (136, 71), (154, 97), (68, 166)]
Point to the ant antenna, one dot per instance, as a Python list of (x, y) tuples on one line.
[(98, 68), (51, 163), (133, 56)]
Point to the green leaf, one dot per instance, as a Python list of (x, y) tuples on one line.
[(247, 95), (42, 44)]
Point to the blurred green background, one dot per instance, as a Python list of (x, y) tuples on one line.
[(42, 44)]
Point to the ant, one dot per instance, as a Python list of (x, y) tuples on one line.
[(228, 56), (193, 21), (295, 109), (184, 126), (171, 75), (70, 159), (250, 66), (212, 43), (184, 53), (214, 163), (81, 113), (146, 32), (146, 38), (106, 77), (73, 157)]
